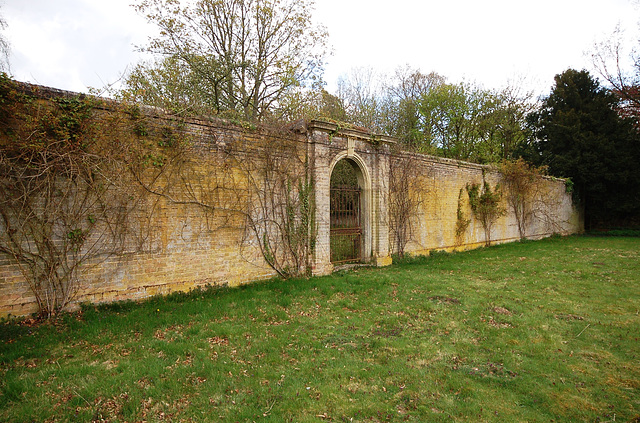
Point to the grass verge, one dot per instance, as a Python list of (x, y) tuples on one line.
[(532, 331)]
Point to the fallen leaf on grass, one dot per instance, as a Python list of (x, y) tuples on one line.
[(216, 340), (502, 310)]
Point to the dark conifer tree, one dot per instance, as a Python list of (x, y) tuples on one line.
[(579, 134)]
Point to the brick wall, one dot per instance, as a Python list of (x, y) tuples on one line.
[(443, 185), (192, 246)]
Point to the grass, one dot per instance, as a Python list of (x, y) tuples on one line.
[(531, 331)]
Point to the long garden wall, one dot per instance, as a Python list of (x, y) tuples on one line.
[(444, 201), (195, 235)]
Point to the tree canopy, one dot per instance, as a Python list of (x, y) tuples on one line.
[(608, 59), (240, 56), (460, 121), (580, 134)]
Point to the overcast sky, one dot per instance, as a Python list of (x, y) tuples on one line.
[(75, 44)]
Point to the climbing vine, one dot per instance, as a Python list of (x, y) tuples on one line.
[(65, 199), (462, 223), (262, 190), (407, 193), (280, 206), (523, 186), (485, 205)]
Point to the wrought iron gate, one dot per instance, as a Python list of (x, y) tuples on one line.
[(346, 232)]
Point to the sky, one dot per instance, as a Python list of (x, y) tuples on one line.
[(76, 44)]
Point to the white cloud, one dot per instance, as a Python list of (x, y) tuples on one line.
[(72, 44), (487, 41)]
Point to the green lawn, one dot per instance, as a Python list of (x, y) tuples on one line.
[(535, 331)]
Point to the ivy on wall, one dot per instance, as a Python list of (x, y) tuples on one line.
[(66, 198), (82, 181), (462, 223), (486, 205)]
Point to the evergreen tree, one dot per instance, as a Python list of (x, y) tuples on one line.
[(580, 135)]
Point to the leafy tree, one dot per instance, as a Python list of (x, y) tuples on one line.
[(509, 119), (388, 104), (246, 54), (331, 106), (444, 120), (459, 121), (579, 134), (452, 117), (170, 84), (311, 104), (466, 122), (403, 96)]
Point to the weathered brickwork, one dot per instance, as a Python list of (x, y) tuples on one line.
[(443, 180), (330, 144), (192, 246)]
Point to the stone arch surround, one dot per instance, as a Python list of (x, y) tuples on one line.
[(328, 144)]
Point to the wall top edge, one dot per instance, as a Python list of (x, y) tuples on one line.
[(344, 130), (468, 165), (107, 103), (301, 126), (448, 161)]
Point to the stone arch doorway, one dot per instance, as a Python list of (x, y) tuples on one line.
[(368, 156), (348, 212)]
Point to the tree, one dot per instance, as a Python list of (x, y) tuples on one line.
[(580, 135), (361, 93), (169, 84), (510, 119), (453, 118), (608, 61), (310, 104), (403, 96), (466, 122), (388, 104), (246, 54), (4, 48)]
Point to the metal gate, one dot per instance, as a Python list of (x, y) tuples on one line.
[(346, 233)]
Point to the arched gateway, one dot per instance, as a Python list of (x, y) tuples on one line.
[(348, 222), (350, 170)]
